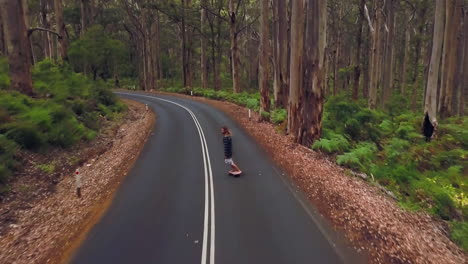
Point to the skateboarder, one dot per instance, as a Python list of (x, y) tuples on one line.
[(227, 141)]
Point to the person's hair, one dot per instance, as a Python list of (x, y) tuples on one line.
[(226, 131)]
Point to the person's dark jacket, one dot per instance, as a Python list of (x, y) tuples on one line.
[(227, 141)]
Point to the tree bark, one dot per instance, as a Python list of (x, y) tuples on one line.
[(203, 59), (376, 55), (387, 81), (280, 41), (314, 75), (452, 24), (430, 101), (405, 59), (357, 67), (85, 14), (60, 24), (18, 45), (296, 73), (233, 34), (464, 77), (3, 46), (264, 57)]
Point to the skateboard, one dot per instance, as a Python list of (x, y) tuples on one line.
[(235, 174)]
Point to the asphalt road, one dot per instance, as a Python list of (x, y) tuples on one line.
[(178, 205)]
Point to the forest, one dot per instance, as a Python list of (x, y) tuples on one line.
[(379, 86)]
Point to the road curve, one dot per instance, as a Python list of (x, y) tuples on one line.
[(178, 205)]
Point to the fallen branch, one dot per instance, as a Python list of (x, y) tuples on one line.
[(30, 31)]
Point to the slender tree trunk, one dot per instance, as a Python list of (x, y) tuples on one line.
[(234, 47), (276, 62), (452, 24), (387, 81), (264, 57), (203, 59), (218, 55), (63, 43), (366, 61), (85, 13), (45, 24), (417, 57), (3, 46), (158, 46), (357, 67), (458, 80), (430, 101), (184, 45), (376, 61), (405, 59), (18, 45), (283, 52)]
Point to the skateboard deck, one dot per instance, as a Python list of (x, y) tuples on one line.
[(235, 174)]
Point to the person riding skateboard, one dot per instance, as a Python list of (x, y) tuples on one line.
[(227, 141)]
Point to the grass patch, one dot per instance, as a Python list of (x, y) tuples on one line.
[(47, 168)]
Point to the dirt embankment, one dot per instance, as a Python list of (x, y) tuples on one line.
[(371, 220), (41, 219)]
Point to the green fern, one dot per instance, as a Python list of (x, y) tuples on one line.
[(359, 157), (335, 143)]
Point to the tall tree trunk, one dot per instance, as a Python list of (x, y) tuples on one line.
[(234, 46), (430, 101), (357, 67), (387, 81), (296, 72), (464, 78), (314, 75), (18, 44), (366, 61), (275, 40), (86, 13), (3, 46), (63, 43), (375, 65), (45, 24), (417, 57), (283, 47), (264, 57), (405, 59), (184, 45), (452, 24), (203, 59)]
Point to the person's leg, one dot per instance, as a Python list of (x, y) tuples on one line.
[(234, 166)]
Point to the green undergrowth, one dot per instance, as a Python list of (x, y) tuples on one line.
[(429, 176), (67, 107), (249, 100)]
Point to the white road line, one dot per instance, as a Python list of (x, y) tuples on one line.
[(209, 194)]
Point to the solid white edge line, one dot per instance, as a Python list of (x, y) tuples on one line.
[(206, 161), (212, 238)]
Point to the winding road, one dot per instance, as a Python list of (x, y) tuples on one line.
[(178, 205)]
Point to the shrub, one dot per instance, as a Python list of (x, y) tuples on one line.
[(459, 233), (252, 104), (334, 143), (25, 134), (279, 116), (359, 157), (4, 78)]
